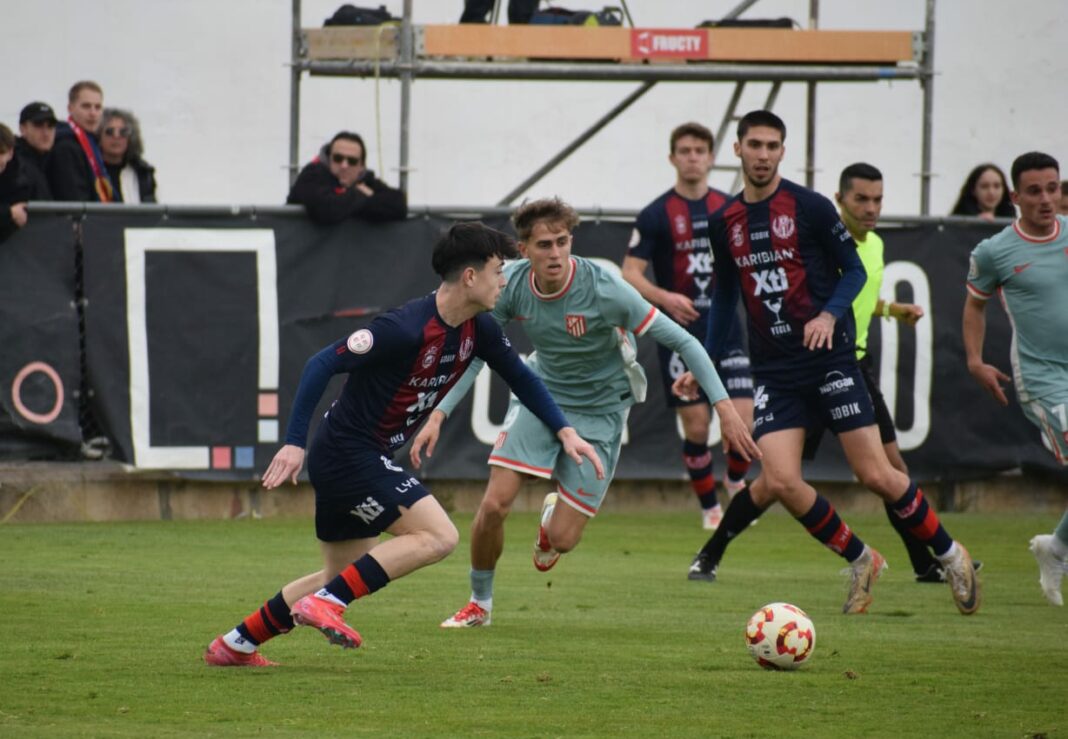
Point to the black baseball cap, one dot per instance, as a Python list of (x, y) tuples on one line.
[(36, 112)]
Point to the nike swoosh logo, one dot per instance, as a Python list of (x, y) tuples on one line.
[(969, 604), (1021, 267)]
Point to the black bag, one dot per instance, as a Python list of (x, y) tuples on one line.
[(607, 16), (747, 23), (350, 15)]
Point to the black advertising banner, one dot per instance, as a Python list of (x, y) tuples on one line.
[(39, 362), (197, 330)]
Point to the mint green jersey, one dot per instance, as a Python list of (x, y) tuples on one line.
[(1031, 277), (870, 251), (576, 332), (583, 338)]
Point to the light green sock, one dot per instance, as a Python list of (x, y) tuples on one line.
[(482, 588)]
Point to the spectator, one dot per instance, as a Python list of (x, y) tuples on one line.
[(1062, 204), (12, 190), (37, 124), (985, 194), (337, 185), (133, 179), (76, 169)]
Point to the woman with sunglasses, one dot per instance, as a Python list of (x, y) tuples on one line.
[(337, 185), (133, 179)]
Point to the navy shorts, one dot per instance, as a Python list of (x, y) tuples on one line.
[(887, 432), (835, 399), (732, 366), (358, 494)]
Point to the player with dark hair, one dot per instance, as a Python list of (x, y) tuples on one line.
[(860, 202), (581, 319), (672, 233), (783, 247), (1026, 264), (399, 367)]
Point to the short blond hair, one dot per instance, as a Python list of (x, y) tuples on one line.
[(77, 88)]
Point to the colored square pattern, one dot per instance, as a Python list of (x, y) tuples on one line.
[(268, 404), (267, 429), (220, 457), (244, 459)]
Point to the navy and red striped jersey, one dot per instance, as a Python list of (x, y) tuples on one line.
[(399, 368), (791, 257), (672, 233)]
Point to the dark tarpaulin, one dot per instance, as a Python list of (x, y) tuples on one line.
[(201, 316)]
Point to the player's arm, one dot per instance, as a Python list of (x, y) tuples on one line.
[(982, 282), (829, 229), (724, 303), (361, 348), (734, 431), (677, 305), (973, 329), (907, 313)]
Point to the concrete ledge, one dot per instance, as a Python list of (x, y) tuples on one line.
[(106, 491)]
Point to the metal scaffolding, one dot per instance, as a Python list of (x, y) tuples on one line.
[(407, 67)]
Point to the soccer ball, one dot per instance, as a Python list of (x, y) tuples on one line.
[(780, 636)]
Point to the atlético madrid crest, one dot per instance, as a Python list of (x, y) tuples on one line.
[(576, 324)]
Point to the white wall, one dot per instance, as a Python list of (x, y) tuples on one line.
[(210, 83)]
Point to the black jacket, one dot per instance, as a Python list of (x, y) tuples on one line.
[(33, 167), (146, 180), (328, 202), (69, 173), (12, 190)]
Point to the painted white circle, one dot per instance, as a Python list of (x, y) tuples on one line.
[(361, 341), (16, 392)]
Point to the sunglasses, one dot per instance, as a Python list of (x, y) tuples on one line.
[(123, 132), (339, 158), (43, 124)]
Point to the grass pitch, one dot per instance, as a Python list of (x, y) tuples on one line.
[(104, 626)]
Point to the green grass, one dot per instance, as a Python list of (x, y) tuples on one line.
[(104, 626)]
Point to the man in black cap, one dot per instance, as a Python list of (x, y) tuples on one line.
[(37, 124)]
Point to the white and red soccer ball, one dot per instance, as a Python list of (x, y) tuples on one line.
[(780, 636)]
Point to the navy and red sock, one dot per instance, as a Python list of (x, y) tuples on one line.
[(737, 467), (698, 461), (362, 577), (266, 622), (920, 520), (823, 522)]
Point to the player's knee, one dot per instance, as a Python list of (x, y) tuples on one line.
[(777, 488), (564, 542), (494, 509), (441, 541), (883, 480)]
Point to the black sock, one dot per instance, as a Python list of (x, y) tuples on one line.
[(741, 512)]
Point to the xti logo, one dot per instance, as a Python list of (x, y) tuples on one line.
[(367, 511), (700, 263), (423, 403), (770, 281)]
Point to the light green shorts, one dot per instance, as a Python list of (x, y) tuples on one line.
[(1050, 414), (527, 445)]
